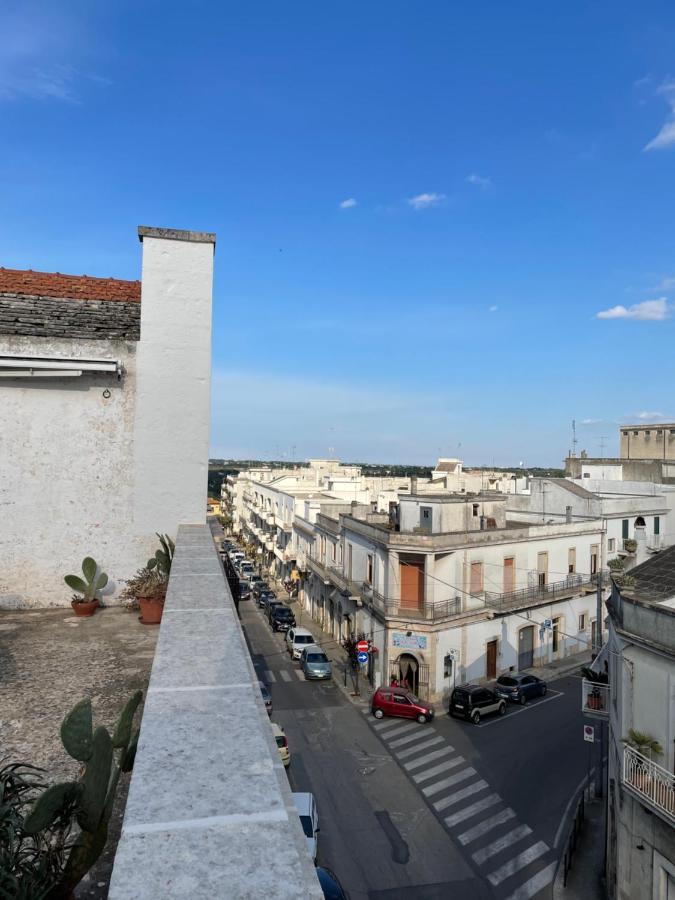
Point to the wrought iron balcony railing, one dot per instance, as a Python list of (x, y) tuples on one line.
[(654, 785), (540, 593), (594, 698)]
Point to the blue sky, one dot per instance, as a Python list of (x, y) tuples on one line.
[(511, 170)]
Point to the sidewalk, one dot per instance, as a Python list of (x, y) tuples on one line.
[(585, 877), (559, 667)]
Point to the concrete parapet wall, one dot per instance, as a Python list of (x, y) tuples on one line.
[(210, 812)]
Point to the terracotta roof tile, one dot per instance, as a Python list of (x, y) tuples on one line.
[(72, 287)]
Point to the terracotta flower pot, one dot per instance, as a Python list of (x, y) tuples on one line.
[(151, 610), (84, 608)]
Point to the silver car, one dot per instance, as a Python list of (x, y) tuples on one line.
[(314, 663)]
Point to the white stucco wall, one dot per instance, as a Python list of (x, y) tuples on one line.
[(174, 379), (66, 471)]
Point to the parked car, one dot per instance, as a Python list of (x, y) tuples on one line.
[(314, 663), (244, 590), (255, 579), (259, 586), (520, 688), (247, 569), (267, 697), (331, 887), (282, 744), (396, 701), (297, 639), (472, 702), (309, 819), (272, 605), (265, 597), (281, 618)]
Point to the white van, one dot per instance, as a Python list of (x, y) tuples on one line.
[(309, 819), (297, 639)]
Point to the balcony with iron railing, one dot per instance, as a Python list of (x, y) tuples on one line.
[(427, 610), (652, 784), (594, 698), (539, 594)]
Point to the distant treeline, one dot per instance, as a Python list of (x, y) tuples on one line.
[(221, 468)]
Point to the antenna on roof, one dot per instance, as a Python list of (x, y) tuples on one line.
[(602, 440), (574, 437)]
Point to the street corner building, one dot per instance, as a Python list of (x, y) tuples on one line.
[(104, 415)]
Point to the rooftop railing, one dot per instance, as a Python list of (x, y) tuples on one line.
[(654, 785)]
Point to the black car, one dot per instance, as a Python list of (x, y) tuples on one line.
[(265, 598), (520, 688), (259, 587), (472, 702), (281, 618), (244, 590), (331, 887), (269, 608)]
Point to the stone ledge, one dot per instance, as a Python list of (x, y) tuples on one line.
[(210, 812)]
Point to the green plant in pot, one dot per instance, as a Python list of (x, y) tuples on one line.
[(87, 589), (153, 581)]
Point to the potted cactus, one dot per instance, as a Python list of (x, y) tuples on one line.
[(151, 590), (88, 587)]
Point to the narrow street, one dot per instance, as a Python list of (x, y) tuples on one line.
[(426, 811)]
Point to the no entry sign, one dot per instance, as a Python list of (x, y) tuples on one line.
[(362, 646), (589, 734)]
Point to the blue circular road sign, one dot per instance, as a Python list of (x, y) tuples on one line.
[(362, 657)]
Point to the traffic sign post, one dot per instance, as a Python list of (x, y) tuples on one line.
[(362, 646), (362, 657), (589, 733)]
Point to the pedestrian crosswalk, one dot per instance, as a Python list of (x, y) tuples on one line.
[(504, 850)]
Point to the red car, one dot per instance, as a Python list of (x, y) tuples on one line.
[(396, 701)]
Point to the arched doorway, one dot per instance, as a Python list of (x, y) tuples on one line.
[(410, 672), (640, 522)]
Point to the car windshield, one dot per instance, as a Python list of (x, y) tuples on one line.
[(282, 612), (414, 699), (306, 823), (507, 682), (304, 639), (317, 657)]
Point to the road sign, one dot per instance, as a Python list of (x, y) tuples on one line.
[(589, 733), (548, 623), (362, 658), (362, 646)]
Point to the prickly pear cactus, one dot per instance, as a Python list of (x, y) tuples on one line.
[(90, 799), (92, 583)]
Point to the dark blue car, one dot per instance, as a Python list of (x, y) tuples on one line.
[(520, 688)]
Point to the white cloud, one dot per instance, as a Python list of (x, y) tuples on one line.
[(666, 136), (648, 311), (348, 204), (424, 201), (493, 308), (650, 415), (481, 181), (590, 421), (666, 284)]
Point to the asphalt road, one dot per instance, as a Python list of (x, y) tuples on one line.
[(440, 810)]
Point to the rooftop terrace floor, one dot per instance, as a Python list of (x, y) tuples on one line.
[(49, 660)]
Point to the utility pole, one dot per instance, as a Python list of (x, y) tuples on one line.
[(600, 767)]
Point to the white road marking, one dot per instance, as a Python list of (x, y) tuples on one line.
[(472, 810), (400, 729), (511, 837), (429, 742), (270, 676), (435, 754), (445, 783), (529, 888), (474, 788), (518, 862), (479, 830), (436, 770), (285, 676), (411, 737), (552, 695)]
